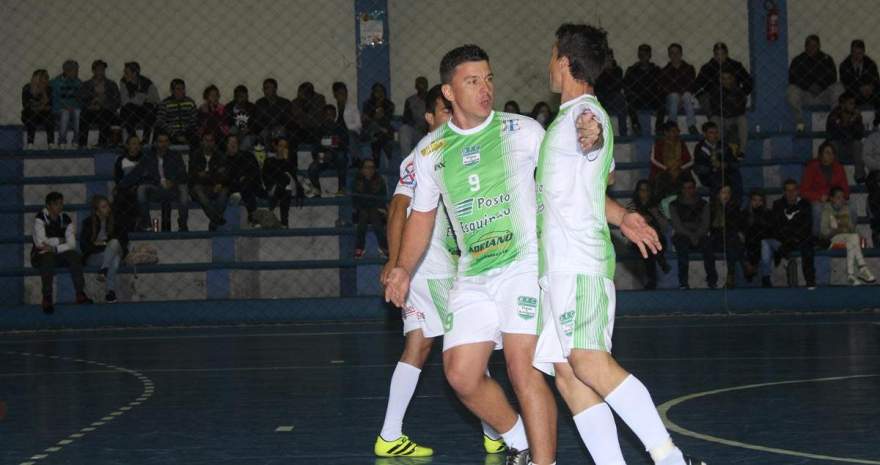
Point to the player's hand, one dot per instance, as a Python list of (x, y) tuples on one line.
[(589, 131), (637, 230), (397, 286), (386, 270)]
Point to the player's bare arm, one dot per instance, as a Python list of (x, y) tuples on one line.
[(396, 222), (416, 236), (633, 226)]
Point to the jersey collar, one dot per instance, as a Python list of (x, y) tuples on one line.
[(574, 101), (473, 130)]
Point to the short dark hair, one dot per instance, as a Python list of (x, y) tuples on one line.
[(240, 88), (789, 182), (339, 86), (834, 190), (586, 48), (433, 94), (757, 192), (270, 81), (53, 197), (709, 125), (134, 66), (99, 63), (457, 56), (675, 45), (688, 180), (330, 107), (670, 125), (857, 43), (162, 133), (719, 46), (208, 90), (644, 47), (175, 82), (846, 96), (812, 37)]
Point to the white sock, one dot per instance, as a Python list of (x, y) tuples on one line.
[(516, 437), (599, 433), (632, 401), (403, 385)]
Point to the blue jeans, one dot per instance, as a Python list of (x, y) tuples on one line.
[(110, 259), (686, 100), (770, 246), (68, 118)]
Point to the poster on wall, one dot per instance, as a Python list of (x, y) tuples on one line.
[(372, 29)]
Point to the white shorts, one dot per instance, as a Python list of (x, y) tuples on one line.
[(577, 312), (426, 306), (499, 301)]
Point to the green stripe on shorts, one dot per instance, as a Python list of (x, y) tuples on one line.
[(439, 289), (591, 313)]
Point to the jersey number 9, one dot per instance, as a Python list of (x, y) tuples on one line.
[(474, 181)]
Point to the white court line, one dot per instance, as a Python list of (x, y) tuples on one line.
[(666, 406), (284, 429)]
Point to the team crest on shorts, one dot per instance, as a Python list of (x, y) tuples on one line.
[(528, 307), (566, 320)]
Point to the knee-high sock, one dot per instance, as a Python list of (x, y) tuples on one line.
[(403, 385)]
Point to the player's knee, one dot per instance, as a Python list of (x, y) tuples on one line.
[(522, 375), (463, 380)]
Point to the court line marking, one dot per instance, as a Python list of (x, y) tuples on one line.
[(58, 447), (664, 409), (284, 429)]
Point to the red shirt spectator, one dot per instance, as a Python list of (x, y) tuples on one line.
[(821, 174)]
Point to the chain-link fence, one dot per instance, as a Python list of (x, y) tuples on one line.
[(271, 111)]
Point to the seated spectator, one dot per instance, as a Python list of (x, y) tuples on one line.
[(178, 115), (160, 177), (65, 102), (212, 114), (139, 99), (240, 114), (724, 231), (709, 78), (99, 97), (347, 113), (811, 79), (871, 157), (845, 131), (756, 226), (512, 107), (690, 222), (858, 74), (791, 230), (676, 84), (670, 162), (820, 175), (54, 246), (125, 195), (641, 84), (542, 114), (377, 115), (244, 175), (306, 113), (414, 128), (715, 163), (369, 200), (279, 176), (727, 109), (330, 152), (209, 180), (839, 228), (644, 203), (102, 244), (272, 112), (36, 108), (609, 91)]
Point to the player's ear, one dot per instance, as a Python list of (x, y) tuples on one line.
[(429, 118), (447, 92)]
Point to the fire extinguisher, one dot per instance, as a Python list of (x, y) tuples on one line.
[(772, 21)]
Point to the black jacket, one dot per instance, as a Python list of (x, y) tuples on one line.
[(756, 224), (244, 171), (642, 85), (791, 224), (852, 80), (205, 172), (369, 193), (88, 246), (703, 156), (147, 171), (271, 114), (278, 173), (728, 103), (709, 77), (241, 117), (806, 71), (610, 82)]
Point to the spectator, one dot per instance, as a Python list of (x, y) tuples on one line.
[(347, 114), (160, 177), (644, 203), (791, 230), (858, 74), (36, 108), (65, 101), (414, 128), (240, 114), (871, 156), (306, 113), (330, 153), (209, 180), (820, 175), (272, 112), (670, 162), (244, 174), (676, 85), (724, 232), (100, 98), (845, 131), (641, 84), (378, 111), (54, 246), (279, 175), (839, 227), (125, 195), (756, 226), (212, 114), (609, 91), (690, 225), (727, 108), (542, 114), (715, 163), (139, 99), (102, 244), (178, 115), (810, 80), (709, 78), (512, 107), (369, 200)]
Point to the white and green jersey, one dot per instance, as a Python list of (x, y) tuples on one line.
[(573, 234), (485, 176), (441, 259)]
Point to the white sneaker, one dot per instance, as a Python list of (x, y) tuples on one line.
[(866, 275), (853, 281), (800, 127)]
